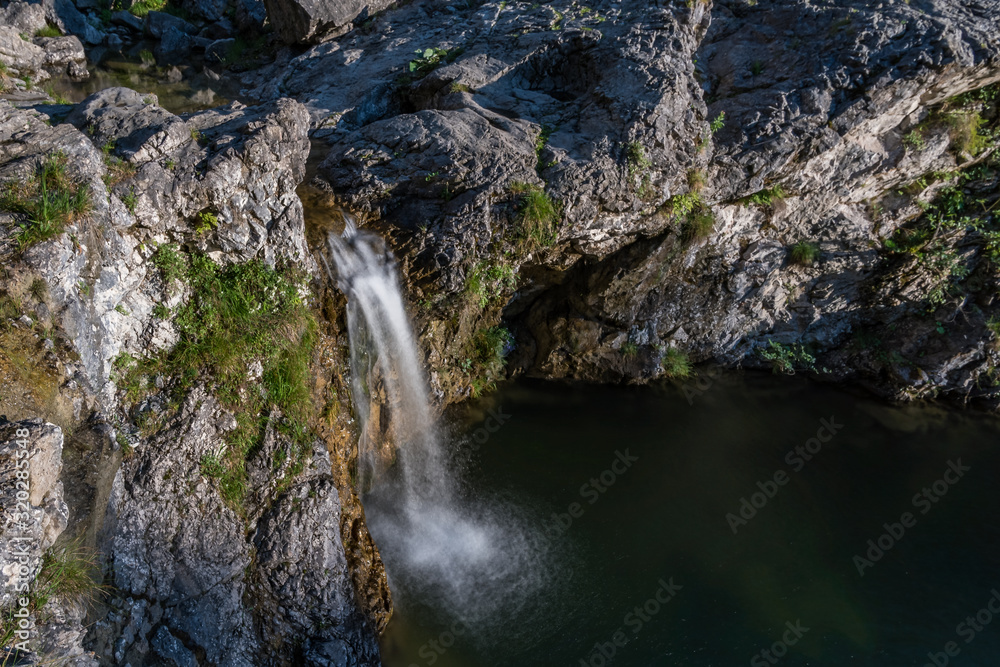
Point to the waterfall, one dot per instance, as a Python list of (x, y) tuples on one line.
[(483, 556)]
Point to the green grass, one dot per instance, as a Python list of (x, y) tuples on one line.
[(46, 202), (488, 349), (765, 198), (117, 169), (141, 8), (629, 350), (486, 282), (698, 225), (803, 253), (537, 215), (236, 316), (675, 363), (48, 31), (967, 134), (635, 154), (68, 572)]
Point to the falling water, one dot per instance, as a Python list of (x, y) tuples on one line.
[(483, 557)]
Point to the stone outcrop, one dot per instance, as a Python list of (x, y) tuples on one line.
[(639, 122), (300, 21), (194, 579)]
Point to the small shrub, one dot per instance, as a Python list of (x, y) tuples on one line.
[(719, 122), (786, 358), (915, 139), (538, 215), (429, 59), (675, 363), (804, 254), (635, 153)]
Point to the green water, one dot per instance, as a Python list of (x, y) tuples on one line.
[(192, 89), (659, 527)]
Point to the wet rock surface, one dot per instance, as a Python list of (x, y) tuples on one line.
[(639, 124)]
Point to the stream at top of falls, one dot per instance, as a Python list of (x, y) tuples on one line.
[(735, 519)]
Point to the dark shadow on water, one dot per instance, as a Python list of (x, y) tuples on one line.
[(664, 515)]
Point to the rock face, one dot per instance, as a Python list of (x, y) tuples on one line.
[(235, 600), (195, 580), (309, 20), (686, 149)]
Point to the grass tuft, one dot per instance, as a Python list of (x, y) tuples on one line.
[(804, 254), (48, 201), (538, 215), (675, 363)]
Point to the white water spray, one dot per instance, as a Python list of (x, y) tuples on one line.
[(473, 554)]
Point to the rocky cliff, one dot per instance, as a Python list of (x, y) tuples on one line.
[(610, 192)]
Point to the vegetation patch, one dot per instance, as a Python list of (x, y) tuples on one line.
[(764, 198), (488, 350), (141, 8), (803, 253), (675, 363), (488, 281), (786, 358), (118, 169), (47, 201), (237, 317), (537, 215)]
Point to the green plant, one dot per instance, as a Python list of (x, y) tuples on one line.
[(756, 68), (915, 139), (207, 221), (48, 201), (161, 312), (120, 309), (538, 215), (171, 263), (211, 466), (429, 59), (786, 358), (675, 363), (635, 153), (966, 131), (130, 200), (698, 225), (803, 253), (718, 123), (765, 198), (48, 31), (540, 143), (486, 282), (459, 88), (629, 349), (198, 135)]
